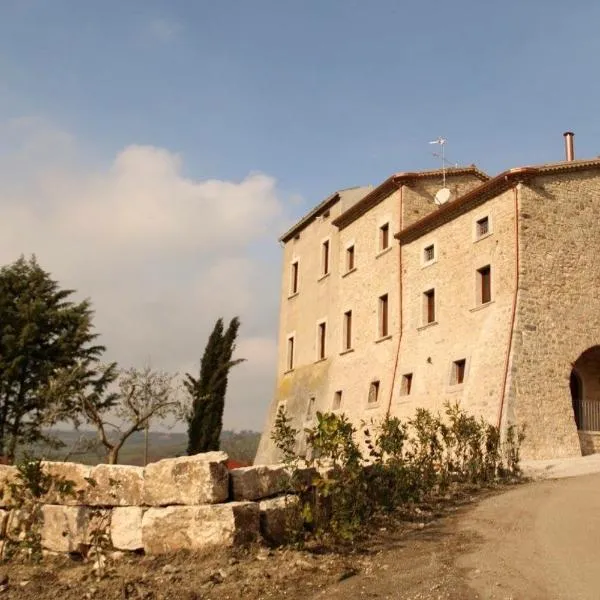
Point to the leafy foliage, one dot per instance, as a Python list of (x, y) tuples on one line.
[(208, 391), (42, 334), (406, 463)]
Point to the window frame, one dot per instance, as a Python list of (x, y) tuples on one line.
[(325, 258), (290, 359), (406, 384), (374, 389), (383, 321), (383, 237), (484, 285), (350, 258), (458, 372), (476, 226), (321, 340), (295, 277), (336, 403), (347, 331), (429, 307)]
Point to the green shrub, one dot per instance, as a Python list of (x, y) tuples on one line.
[(405, 463)]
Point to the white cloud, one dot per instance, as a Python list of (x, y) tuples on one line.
[(161, 255)]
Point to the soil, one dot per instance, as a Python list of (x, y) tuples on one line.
[(537, 540)]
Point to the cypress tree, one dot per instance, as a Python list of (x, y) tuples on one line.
[(209, 389)]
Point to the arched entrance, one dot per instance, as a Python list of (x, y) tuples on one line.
[(584, 383)]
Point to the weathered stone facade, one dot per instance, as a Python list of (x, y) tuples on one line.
[(504, 351)]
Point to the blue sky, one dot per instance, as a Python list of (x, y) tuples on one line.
[(314, 94)]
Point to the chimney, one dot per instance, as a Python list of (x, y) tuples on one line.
[(569, 151)]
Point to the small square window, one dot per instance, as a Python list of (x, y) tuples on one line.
[(429, 253), (374, 392), (406, 384), (337, 400), (384, 236), (310, 407), (458, 371), (483, 227), (349, 258), (429, 307)]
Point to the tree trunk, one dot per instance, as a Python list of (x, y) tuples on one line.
[(112, 458)]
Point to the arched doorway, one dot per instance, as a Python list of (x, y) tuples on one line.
[(584, 383)]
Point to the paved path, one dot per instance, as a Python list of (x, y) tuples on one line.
[(540, 540)]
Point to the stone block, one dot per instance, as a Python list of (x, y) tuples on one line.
[(8, 474), (280, 519), (69, 528), (190, 480), (126, 528), (199, 527), (262, 481), (76, 473), (116, 485)]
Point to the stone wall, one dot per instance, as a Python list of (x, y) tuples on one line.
[(590, 442), (192, 503)]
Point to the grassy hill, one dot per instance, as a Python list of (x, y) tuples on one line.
[(240, 446)]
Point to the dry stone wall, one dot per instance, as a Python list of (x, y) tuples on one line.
[(191, 502)]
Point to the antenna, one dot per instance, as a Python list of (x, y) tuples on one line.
[(441, 142)]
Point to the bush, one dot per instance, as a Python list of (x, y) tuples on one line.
[(406, 463)]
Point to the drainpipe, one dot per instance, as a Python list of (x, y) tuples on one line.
[(389, 408), (514, 307)]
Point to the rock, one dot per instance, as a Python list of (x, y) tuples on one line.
[(280, 519), (262, 481), (189, 480), (4, 514), (75, 473), (117, 555), (8, 475), (3, 578), (68, 528), (199, 527), (116, 485), (126, 528)]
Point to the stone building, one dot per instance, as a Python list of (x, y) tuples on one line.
[(392, 301)]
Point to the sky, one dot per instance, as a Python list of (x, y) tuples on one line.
[(152, 151)]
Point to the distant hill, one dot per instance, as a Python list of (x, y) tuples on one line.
[(239, 445)]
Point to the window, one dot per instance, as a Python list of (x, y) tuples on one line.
[(294, 278), (406, 384), (458, 371), (322, 335), (484, 285), (310, 407), (325, 258), (429, 307), (482, 227), (383, 316), (429, 253), (384, 236), (349, 258), (348, 330), (337, 400), (290, 353), (374, 392)]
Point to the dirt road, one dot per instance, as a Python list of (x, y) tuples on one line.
[(536, 541)]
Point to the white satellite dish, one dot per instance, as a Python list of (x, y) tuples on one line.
[(442, 196)]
